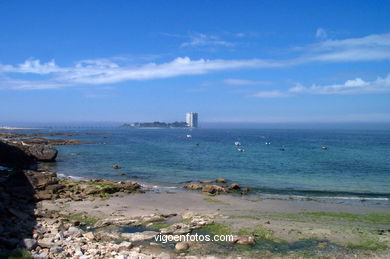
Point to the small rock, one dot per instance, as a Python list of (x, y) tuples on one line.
[(73, 230), (181, 246), (164, 256), (213, 189), (193, 186), (56, 249), (136, 249), (89, 235), (125, 245), (234, 186), (220, 180), (29, 243), (45, 243), (244, 240), (139, 236)]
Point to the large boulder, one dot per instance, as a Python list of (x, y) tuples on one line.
[(43, 153), (18, 154), (129, 186), (15, 157), (40, 180)]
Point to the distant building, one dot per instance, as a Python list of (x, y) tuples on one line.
[(192, 119)]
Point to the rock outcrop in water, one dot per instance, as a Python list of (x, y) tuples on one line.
[(14, 157), (207, 187), (18, 154)]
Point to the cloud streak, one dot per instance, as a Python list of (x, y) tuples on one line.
[(108, 71), (203, 40), (349, 87)]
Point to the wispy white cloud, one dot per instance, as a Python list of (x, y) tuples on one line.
[(97, 72), (32, 66), (369, 48), (321, 34), (349, 87), (111, 71), (270, 94), (354, 86), (234, 81), (204, 40)]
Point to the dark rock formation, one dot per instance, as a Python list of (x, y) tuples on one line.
[(42, 153), (55, 142), (17, 205), (20, 154), (213, 189), (14, 157)]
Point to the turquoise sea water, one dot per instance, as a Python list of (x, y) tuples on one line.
[(356, 164)]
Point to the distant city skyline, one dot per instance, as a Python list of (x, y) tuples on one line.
[(230, 61)]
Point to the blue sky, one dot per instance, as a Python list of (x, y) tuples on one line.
[(231, 61)]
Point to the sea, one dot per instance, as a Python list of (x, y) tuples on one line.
[(323, 163)]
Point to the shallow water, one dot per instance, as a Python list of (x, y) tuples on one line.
[(356, 164)]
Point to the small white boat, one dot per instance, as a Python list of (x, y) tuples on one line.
[(324, 148), (189, 136), (268, 143), (240, 150), (237, 143)]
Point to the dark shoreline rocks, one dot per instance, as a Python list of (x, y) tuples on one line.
[(207, 186), (37, 138), (18, 154)]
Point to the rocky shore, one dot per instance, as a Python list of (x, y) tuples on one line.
[(29, 229), (43, 216)]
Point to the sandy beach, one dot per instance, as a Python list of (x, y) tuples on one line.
[(320, 229)]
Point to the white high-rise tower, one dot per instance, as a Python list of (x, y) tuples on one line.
[(192, 119)]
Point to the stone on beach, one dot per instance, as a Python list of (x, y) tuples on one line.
[(213, 189), (139, 236), (29, 243), (181, 246), (244, 240), (115, 221), (234, 186), (220, 180), (193, 186)]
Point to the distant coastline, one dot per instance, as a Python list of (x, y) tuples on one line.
[(155, 125)]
